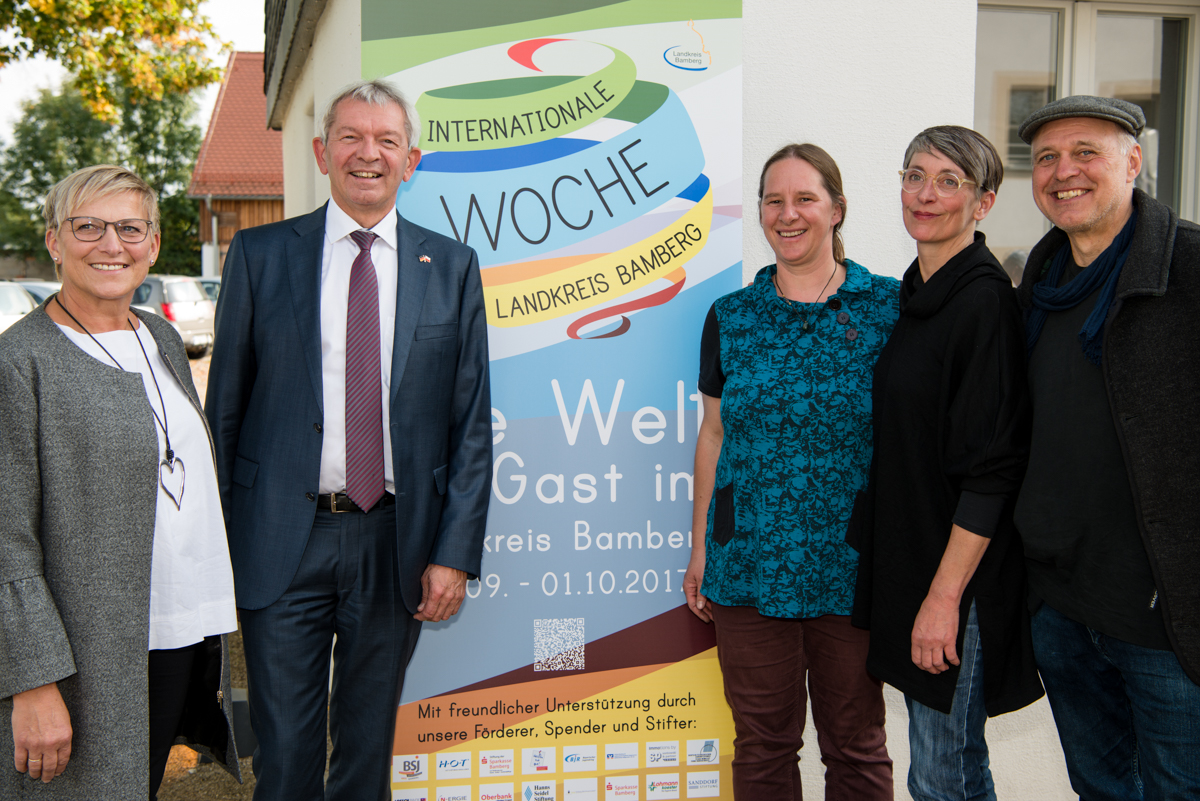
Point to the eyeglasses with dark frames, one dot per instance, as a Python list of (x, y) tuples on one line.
[(91, 229), (944, 183)]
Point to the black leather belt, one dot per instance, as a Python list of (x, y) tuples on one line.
[(338, 502)]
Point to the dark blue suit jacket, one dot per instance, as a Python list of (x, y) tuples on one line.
[(264, 404)]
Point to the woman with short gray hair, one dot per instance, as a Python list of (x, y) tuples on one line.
[(115, 584), (941, 576)]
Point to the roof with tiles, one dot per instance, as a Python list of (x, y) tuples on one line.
[(240, 156)]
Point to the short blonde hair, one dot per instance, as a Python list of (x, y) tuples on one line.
[(95, 183)]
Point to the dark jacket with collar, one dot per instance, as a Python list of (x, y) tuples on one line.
[(265, 404), (1151, 367)]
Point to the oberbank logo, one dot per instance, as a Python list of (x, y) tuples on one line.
[(496, 792), (692, 57)]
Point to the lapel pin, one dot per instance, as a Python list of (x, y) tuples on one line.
[(425, 259)]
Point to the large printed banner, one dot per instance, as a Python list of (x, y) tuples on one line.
[(593, 160)]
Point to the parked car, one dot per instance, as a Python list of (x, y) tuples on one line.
[(182, 301), (212, 286), (15, 303), (41, 289)]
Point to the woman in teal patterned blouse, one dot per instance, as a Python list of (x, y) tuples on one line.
[(785, 441)]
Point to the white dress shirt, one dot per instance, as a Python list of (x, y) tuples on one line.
[(337, 257)]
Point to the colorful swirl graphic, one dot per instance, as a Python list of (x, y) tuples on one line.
[(560, 221)]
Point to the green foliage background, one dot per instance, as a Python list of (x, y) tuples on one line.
[(58, 134)]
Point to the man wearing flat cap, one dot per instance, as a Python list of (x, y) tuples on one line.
[(1110, 509)]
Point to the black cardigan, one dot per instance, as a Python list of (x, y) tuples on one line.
[(1151, 367), (951, 416)]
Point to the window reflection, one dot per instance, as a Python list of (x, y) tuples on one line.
[(1143, 63), (1016, 73)]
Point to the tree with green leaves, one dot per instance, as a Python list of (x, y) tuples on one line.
[(57, 134), (153, 48)]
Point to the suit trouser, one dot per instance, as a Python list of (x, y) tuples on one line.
[(346, 585)]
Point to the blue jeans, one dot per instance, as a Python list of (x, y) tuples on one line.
[(949, 755), (1128, 717)]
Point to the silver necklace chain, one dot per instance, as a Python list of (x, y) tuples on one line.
[(794, 304)]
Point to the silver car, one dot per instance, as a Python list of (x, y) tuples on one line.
[(40, 289), (212, 285), (15, 303), (182, 301)]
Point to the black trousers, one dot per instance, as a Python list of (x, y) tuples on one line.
[(169, 671)]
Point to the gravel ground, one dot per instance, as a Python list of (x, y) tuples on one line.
[(200, 375), (186, 779)]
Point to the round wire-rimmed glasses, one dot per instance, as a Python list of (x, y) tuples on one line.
[(944, 183)]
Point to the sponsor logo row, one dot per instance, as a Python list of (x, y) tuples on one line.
[(695, 784), (452, 765)]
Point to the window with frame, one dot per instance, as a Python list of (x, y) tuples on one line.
[(1028, 55)]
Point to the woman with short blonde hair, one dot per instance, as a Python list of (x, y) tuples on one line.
[(115, 584)]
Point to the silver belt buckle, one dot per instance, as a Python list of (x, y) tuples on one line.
[(333, 505)]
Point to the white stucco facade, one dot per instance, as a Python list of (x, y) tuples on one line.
[(842, 79), (846, 76), (836, 74), (333, 62)]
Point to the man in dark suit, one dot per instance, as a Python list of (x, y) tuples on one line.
[(333, 328)]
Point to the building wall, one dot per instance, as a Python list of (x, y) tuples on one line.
[(824, 71), (232, 216), (40, 269), (842, 78), (335, 61)]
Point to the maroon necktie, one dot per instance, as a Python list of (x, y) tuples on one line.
[(364, 400)]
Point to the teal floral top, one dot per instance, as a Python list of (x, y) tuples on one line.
[(794, 381)]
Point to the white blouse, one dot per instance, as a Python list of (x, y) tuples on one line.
[(191, 579)]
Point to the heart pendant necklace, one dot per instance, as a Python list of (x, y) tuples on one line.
[(166, 467)]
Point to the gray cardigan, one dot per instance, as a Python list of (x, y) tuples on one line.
[(79, 472), (1151, 368)]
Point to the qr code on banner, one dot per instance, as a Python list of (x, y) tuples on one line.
[(558, 644)]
